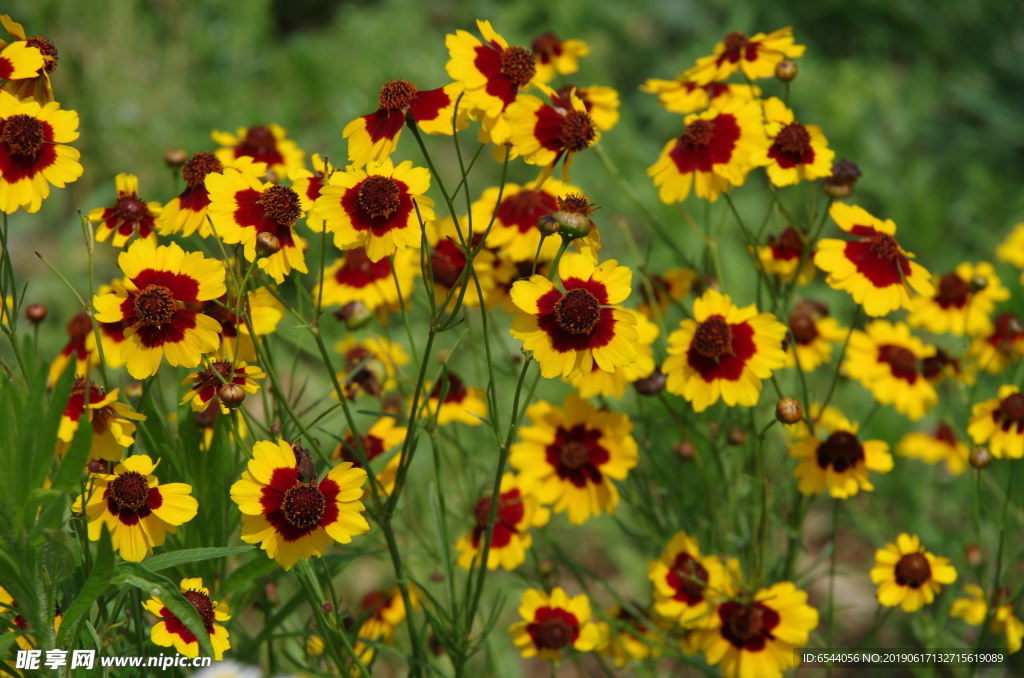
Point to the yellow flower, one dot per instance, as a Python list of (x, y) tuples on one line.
[(756, 56), (553, 55), (956, 307), (552, 623), (112, 429), (267, 144), (887, 360), (353, 277), (544, 133), (672, 285), (812, 334), (308, 184), (129, 216), (81, 347), (515, 217), (518, 510), (909, 576), (381, 438), (972, 609), (171, 632), (597, 382), (373, 363), (687, 585), (999, 423), (467, 405), (995, 350), (186, 214), (685, 96), (204, 384), (26, 85), (931, 448), (781, 255), (796, 151)]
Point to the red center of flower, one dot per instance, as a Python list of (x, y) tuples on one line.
[(789, 243), (885, 246), (379, 196), (691, 576), (953, 291), (482, 510), (698, 133), (79, 326), (902, 359), (208, 377), (1012, 407), (130, 208), (260, 138), (23, 134), (396, 95), (748, 626), (373, 602), (803, 327), (578, 131), (574, 454), (576, 203), (945, 434), (155, 306), (82, 384), (517, 65), (194, 171), (280, 204), (841, 451), (735, 41), (48, 49), (303, 505), (456, 389), (913, 570), (546, 45), (447, 262), (130, 490), (203, 605), (578, 311), (553, 632), (793, 140), (713, 338)]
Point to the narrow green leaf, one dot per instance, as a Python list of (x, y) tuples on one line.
[(99, 578), (74, 460), (166, 560)]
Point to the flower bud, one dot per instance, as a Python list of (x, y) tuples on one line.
[(685, 449), (547, 224), (354, 314), (573, 216), (133, 389), (327, 607), (36, 313), (736, 436), (789, 411), (231, 395), (176, 157), (844, 175), (436, 646), (786, 70), (972, 554), (978, 283), (652, 384), (267, 244), (980, 457), (96, 466)]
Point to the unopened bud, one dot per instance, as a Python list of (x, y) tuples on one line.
[(231, 395), (972, 553), (96, 466), (436, 646), (133, 389), (547, 224), (275, 428), (789, 411), (652, 384), (685, 449), (1014, 325), (176, 157), (354, 314), (980, 457), (786, 70), (436, 576), (978, 283), (36, 313), (327, 607), (844, 175), (736, 436), (267, 244), (573, 216)]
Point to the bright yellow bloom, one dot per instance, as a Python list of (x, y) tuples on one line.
[(756, 56), (515, 217), (518, 510), (171, 632), (999, 423), (956, 307), (112, 428), (553, 55), (687, 585), (685, 96), (672, 285), (129, 216), (268, 144), (841, 461), (35, 85), (887, 360), (464, 404), (909, 576), (797, 152), (782, 255), (553, 623), (597, 382), (544, 133), (812, 335), (186, 214), (995, 350), (381, 438), (353, 277), (931, 448)]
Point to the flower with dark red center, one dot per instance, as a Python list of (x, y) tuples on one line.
[(999, 423), (465, 404), (79, 348), (354, 278), (909, 576), (544, 133), (369, 364), (129, 216), (1004, 344), (163, 279), (715, 150), (20, 60), (384, 436), (518, 510), (683, 96), (686, 584), (292, 519), (553, 623), (205, 384), (874, 269), (112, 428), (886, 359), (553, 55), (797, 152), (941, 444), (169, 631), (569, 331), (961, 305), (724, 352), (135, 507), (834, 457), (756, 56), (515, 217), (26, 64), (587, 450), (266, 144), (812, 335), (783, 254), (597, 382)]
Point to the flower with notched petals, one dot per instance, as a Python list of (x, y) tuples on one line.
[(756, 56), (170, 632), (909, 576), (958, 306), (685, 96), (939, 445), (518, 510), (186, 214), (553, 55), (112, 428), (129, 216), (553, 623), (267, 144), (796, 151), (999, 423), (887, 360)]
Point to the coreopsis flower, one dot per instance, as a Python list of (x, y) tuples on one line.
[(19, 61), (569, 331), (187, 213), (204, 384), (602, 103), (515, 217), (382, 611), (492, 73), (573, 221), (939, 445), (841, 461), (379, 208), (685, 96), (112, 336), (963, 301), (552, 623), (943, 366), (129, 216), (518, 510), (1004, 344), (974, 610), (797, 152), (370, 364), (79, 348), (9, 605), (597, 382), (375, 136), (874, 269), (112, 421), (382, 437), (544, 133), (33, 152), (687, 584), (236, 342), (909, 576), (268, 144), (812, 334), (242, 207), (353, 277), (308, 184), (1011, 250), (448, 261), (757, 637), (755, 56), (293, 516), (465, 404), (574, 454), (137, 510), (724, 352), (553, 55), (672, 285), (171, 632), (886, 359), (781, 256), (714, 151), (999, 423), (1010, 625), (37, 84), (628, 638), (156, 323)]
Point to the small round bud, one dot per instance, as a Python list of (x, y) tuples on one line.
[(685, 449), (176, 157), (547, 224), (652, 384), (354, 314), (96, 466), (36, 313), (978, 283), (231, 395), (736, 436), (327, 607), (844, 175), (1014, 325), (573, 216), (789, 411), (972, 553), (436, 646), (786, 70), (980, 457), (133, 389), (275, 428), (267, 244)]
